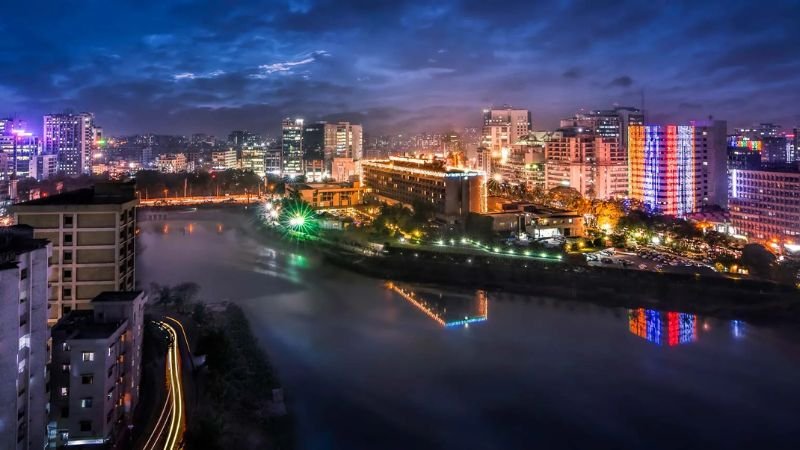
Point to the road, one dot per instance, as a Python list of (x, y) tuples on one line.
[(185, 201), (167, 434)]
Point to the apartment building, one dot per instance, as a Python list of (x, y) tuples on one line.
[(23, 338), (92, 231), (96, 369)]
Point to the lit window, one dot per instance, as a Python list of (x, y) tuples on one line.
[(87, 356), (64, 391), (86, 402)]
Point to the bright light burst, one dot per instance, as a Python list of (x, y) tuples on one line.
[(298, 219)]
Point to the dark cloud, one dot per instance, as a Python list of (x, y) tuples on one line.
[(622, 81), (178, 66), (573, 73)]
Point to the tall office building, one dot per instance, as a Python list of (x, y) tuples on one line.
[(93, 233), (292, 147), (23, 339), (72, 137), (254, 151), (502, 128), (96, 370), (224, 159), (19, 146), (328, 141), (677, 170)]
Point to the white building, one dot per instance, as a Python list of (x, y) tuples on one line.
[(23, 338), (224, 160), (502, 128), (96, 369)]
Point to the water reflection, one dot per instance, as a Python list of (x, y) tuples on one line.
[(661, 328), (450, 310)]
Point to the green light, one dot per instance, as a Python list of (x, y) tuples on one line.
[(543, 255)]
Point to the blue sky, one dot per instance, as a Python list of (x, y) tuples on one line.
[(213, 66)]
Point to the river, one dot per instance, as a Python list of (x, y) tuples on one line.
[(371, 366)]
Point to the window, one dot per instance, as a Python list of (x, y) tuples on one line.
[(65, 368), (65, 310), (86, 402), (64, 392), (87, 379), (68, 256), (86, 425), (66, 292), (65, 348), (87, 356), (67, 238), (23, 274), (67, 275), (68, 220)]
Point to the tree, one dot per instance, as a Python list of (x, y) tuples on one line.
[(184, 293), (757, 259)]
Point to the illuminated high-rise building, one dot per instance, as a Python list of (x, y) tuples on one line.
[(292, 147), (72, 137), (592, 164), (502, 128), (677, 170), (19, 146), (608, 123), (765, 204)]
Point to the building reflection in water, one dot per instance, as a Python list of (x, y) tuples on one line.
[(448, 310), (669, 328)]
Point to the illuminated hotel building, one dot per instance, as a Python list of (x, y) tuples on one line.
[(677, 170), (661, 328), (71, 137), (292, 147), (454, 193), (765, 204)]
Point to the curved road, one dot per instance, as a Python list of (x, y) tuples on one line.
[(167, 434)]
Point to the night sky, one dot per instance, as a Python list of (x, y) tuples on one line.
[(182, 67)]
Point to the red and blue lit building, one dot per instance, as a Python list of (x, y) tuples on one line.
[(678, 169), (670, 328)]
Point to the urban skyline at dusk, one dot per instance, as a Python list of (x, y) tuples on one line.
[(399, 67)]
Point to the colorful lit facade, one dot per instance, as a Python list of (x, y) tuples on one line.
[(677, 170), (670, 328)]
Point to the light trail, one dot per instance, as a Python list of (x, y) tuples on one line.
[(171, 418)]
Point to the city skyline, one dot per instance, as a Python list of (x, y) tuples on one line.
[(178, 68)]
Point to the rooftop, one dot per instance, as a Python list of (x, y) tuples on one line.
[(14, 241), (100, 194), (116, 296), (81, 324)]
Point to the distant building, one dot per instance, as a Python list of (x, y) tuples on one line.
[(43, 167), (72, 137), (344, 169), (328, 141), (273, 161), (453, 193), (171, 163), (502, 128), (20, 148), (608, 123), (96, 369), (526, 162), (329, 195), (765, 204), (591, 164), (224, 159), (93, 236), (678, 170), (292, 147), (23, 338)]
